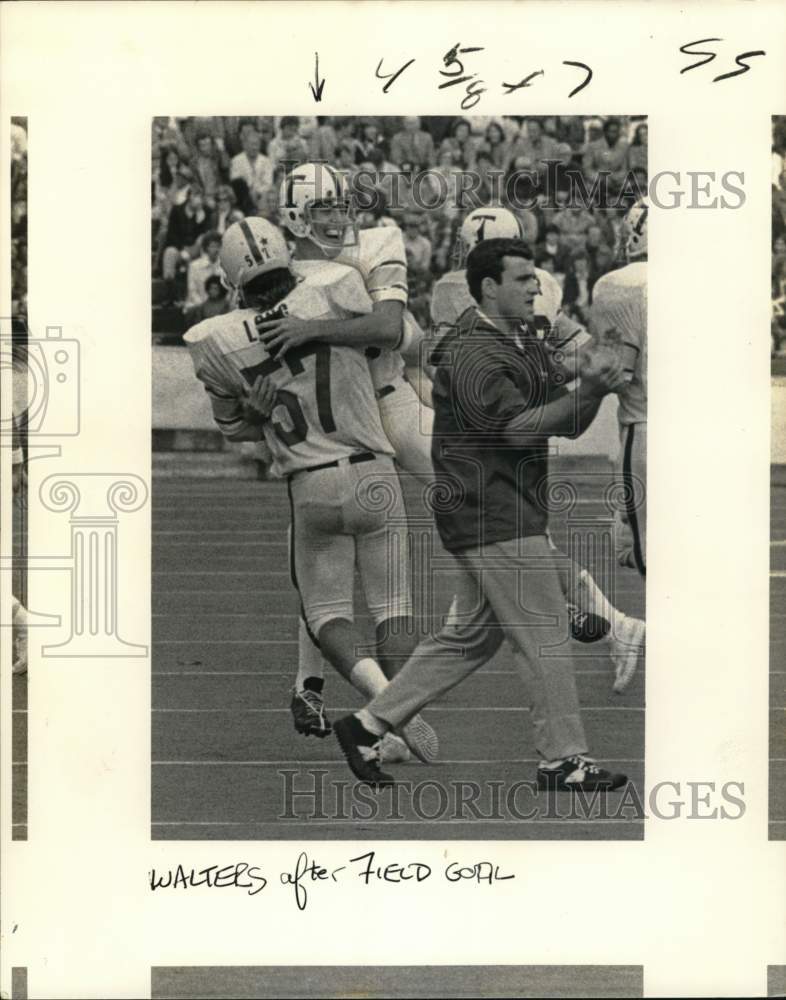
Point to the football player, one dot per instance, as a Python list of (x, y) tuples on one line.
[(565, 338), (317, 210), (618, 318), (322, 426)]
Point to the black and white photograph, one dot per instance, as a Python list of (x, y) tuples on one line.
[(399, 477), (358, 636), (18, 497), (778, 487)]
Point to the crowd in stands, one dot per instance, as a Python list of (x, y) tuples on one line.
[(408, 172), (19, 218), (779, 235)]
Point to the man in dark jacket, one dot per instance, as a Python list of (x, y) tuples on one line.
[(498, 396)]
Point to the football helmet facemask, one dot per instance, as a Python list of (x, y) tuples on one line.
[(632, 242), (314, 203)]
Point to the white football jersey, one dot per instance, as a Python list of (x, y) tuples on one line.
[(451, 298), (619, 320), (325, 406), (380, 258)]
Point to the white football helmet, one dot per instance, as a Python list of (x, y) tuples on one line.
[(484, 224), (632, 242), (251, 247), (314, 203)]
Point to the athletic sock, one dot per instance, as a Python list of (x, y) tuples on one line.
[(371, 723), (591, 598), (310, 664), (367, 677)]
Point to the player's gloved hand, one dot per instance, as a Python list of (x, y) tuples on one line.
[(281, 335), (260, 398), (601, 370)]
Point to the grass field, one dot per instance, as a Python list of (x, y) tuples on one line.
[(224, 657)]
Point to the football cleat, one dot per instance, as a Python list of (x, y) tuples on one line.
[(393, 750), (585, 626), (362, 751), (627, 644), (577, 773), (308, 713), (421, 739)]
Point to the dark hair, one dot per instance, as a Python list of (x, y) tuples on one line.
[(211, 237), (268, 289), (288, 120), (637, 134), (486, 261), (456, 123), (498, 127), (165, 175), (213, 280), (609, 122)]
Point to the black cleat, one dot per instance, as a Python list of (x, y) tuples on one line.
[(362, 750), (578, 773), (308, 713), (586, 627)]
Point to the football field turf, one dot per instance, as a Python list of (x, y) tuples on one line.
[(778, 655), (225, 754)]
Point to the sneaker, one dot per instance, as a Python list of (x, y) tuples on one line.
[(585, 626), (361, 748), (393, 750), (421, 739), (627, 644), (308, 713), (577, 773)]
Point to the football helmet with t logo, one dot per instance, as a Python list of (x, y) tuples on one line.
[(249, 248), (314, 203), (484, 224)]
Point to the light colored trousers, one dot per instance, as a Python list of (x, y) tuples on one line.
[(509, 590)]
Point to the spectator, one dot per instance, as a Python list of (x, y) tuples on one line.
[(573, 224), (577, 291), (638, 150), (345, 159), (417, 246), (207, 167), (187, 222), (204, 267), (324, 141), (496, 145), (451, 186), (460, 144), (608, 154), (268, 205), (532, 148), (368, 140), (170, 185), (226, 209), (596, 245), (251, 171), (215, 302), (412, 145), (288, 148), (553, 250)]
